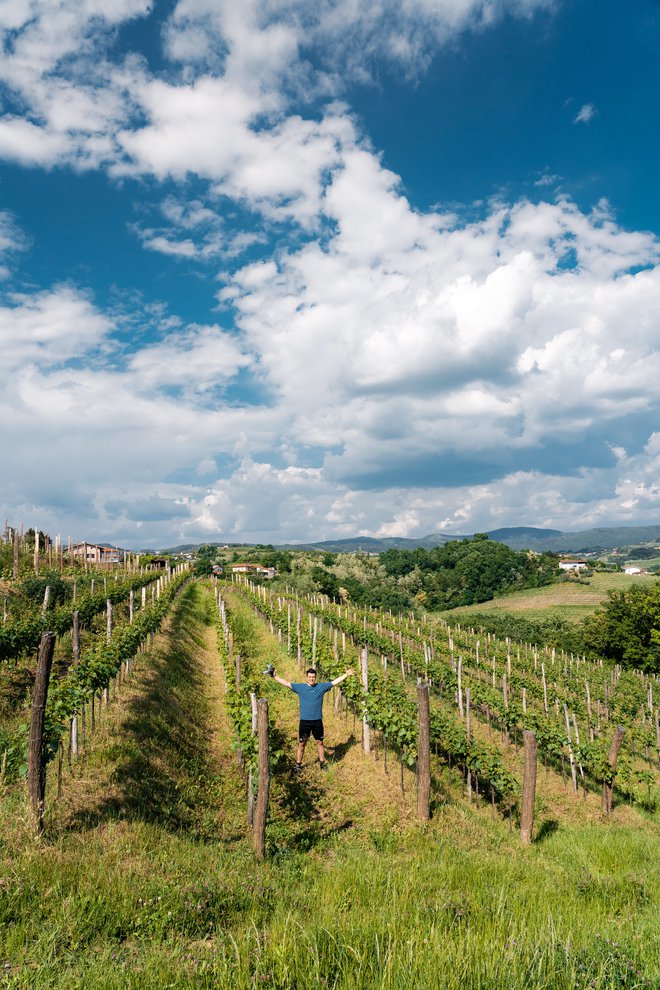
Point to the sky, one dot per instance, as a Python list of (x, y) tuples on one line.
[(275, 271)]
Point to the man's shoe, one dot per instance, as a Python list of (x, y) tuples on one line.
[(323, 765), (297, 768)]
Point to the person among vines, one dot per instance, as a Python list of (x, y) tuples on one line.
[(310, 698)]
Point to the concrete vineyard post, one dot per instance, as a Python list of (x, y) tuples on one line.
[(529, 788), (36, 764), (468, 730), (75, 636), (366, 730), (612, 757), (298, 636), (263, 786), (75, 651), (570, 748), (250, 782), (423, 752)]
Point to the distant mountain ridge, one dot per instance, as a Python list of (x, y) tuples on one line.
[(516, 537)]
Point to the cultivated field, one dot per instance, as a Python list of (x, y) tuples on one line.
[(568, 600)]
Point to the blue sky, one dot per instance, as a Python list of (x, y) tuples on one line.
[(278, 271)]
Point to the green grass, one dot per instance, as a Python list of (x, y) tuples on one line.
[(568, 600), (144, 886)]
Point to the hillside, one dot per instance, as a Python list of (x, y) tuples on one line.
[(517, 537)]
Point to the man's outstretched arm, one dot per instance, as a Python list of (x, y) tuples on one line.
[(270, 672), (342, 677)]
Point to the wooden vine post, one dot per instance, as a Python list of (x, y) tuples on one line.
[(612, 757), (529, 788), (423, 752), (263, 786), (36, 763)]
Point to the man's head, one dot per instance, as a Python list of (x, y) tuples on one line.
[(311, 675)]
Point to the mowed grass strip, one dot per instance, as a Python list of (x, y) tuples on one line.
[(568, 600)]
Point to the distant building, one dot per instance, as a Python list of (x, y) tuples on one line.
[(570, 564), (634, 570), (256, 569), (96, 553)]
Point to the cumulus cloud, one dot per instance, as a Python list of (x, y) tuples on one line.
[(390, 371), (48, 328)]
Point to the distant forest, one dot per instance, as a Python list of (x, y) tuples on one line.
[(468, 571)]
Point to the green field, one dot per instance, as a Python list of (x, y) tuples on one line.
[(567, 600)]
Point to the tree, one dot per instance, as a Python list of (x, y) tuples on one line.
[(627, 628)]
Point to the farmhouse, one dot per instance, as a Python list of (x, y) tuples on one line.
[(634, 570), (256, 569), (570, 564), (95, 553)]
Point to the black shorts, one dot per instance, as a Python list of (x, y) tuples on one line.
[(310, 727)]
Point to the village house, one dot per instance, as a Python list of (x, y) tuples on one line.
[(570, 564), (95, 553), (255, 569)]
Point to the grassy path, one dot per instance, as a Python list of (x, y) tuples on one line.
[(161, 753), (355, 795)]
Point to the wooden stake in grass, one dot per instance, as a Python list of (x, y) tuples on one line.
[(529, 788), (36, 763), (612, 757), (263, 786), (423, 752)]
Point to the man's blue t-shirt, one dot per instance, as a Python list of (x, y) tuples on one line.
[(311, 699)]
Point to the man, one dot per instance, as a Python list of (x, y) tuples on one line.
[(310, 696)]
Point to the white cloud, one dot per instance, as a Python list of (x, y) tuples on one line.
[(585, 114), (48, 328), (395, 371)]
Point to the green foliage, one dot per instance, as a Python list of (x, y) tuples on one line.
[(33, 589), (21, 635), (462, 572), (627, 628), (203, 567)]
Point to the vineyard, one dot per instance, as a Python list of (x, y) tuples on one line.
[(573, 706), (175, 847)]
